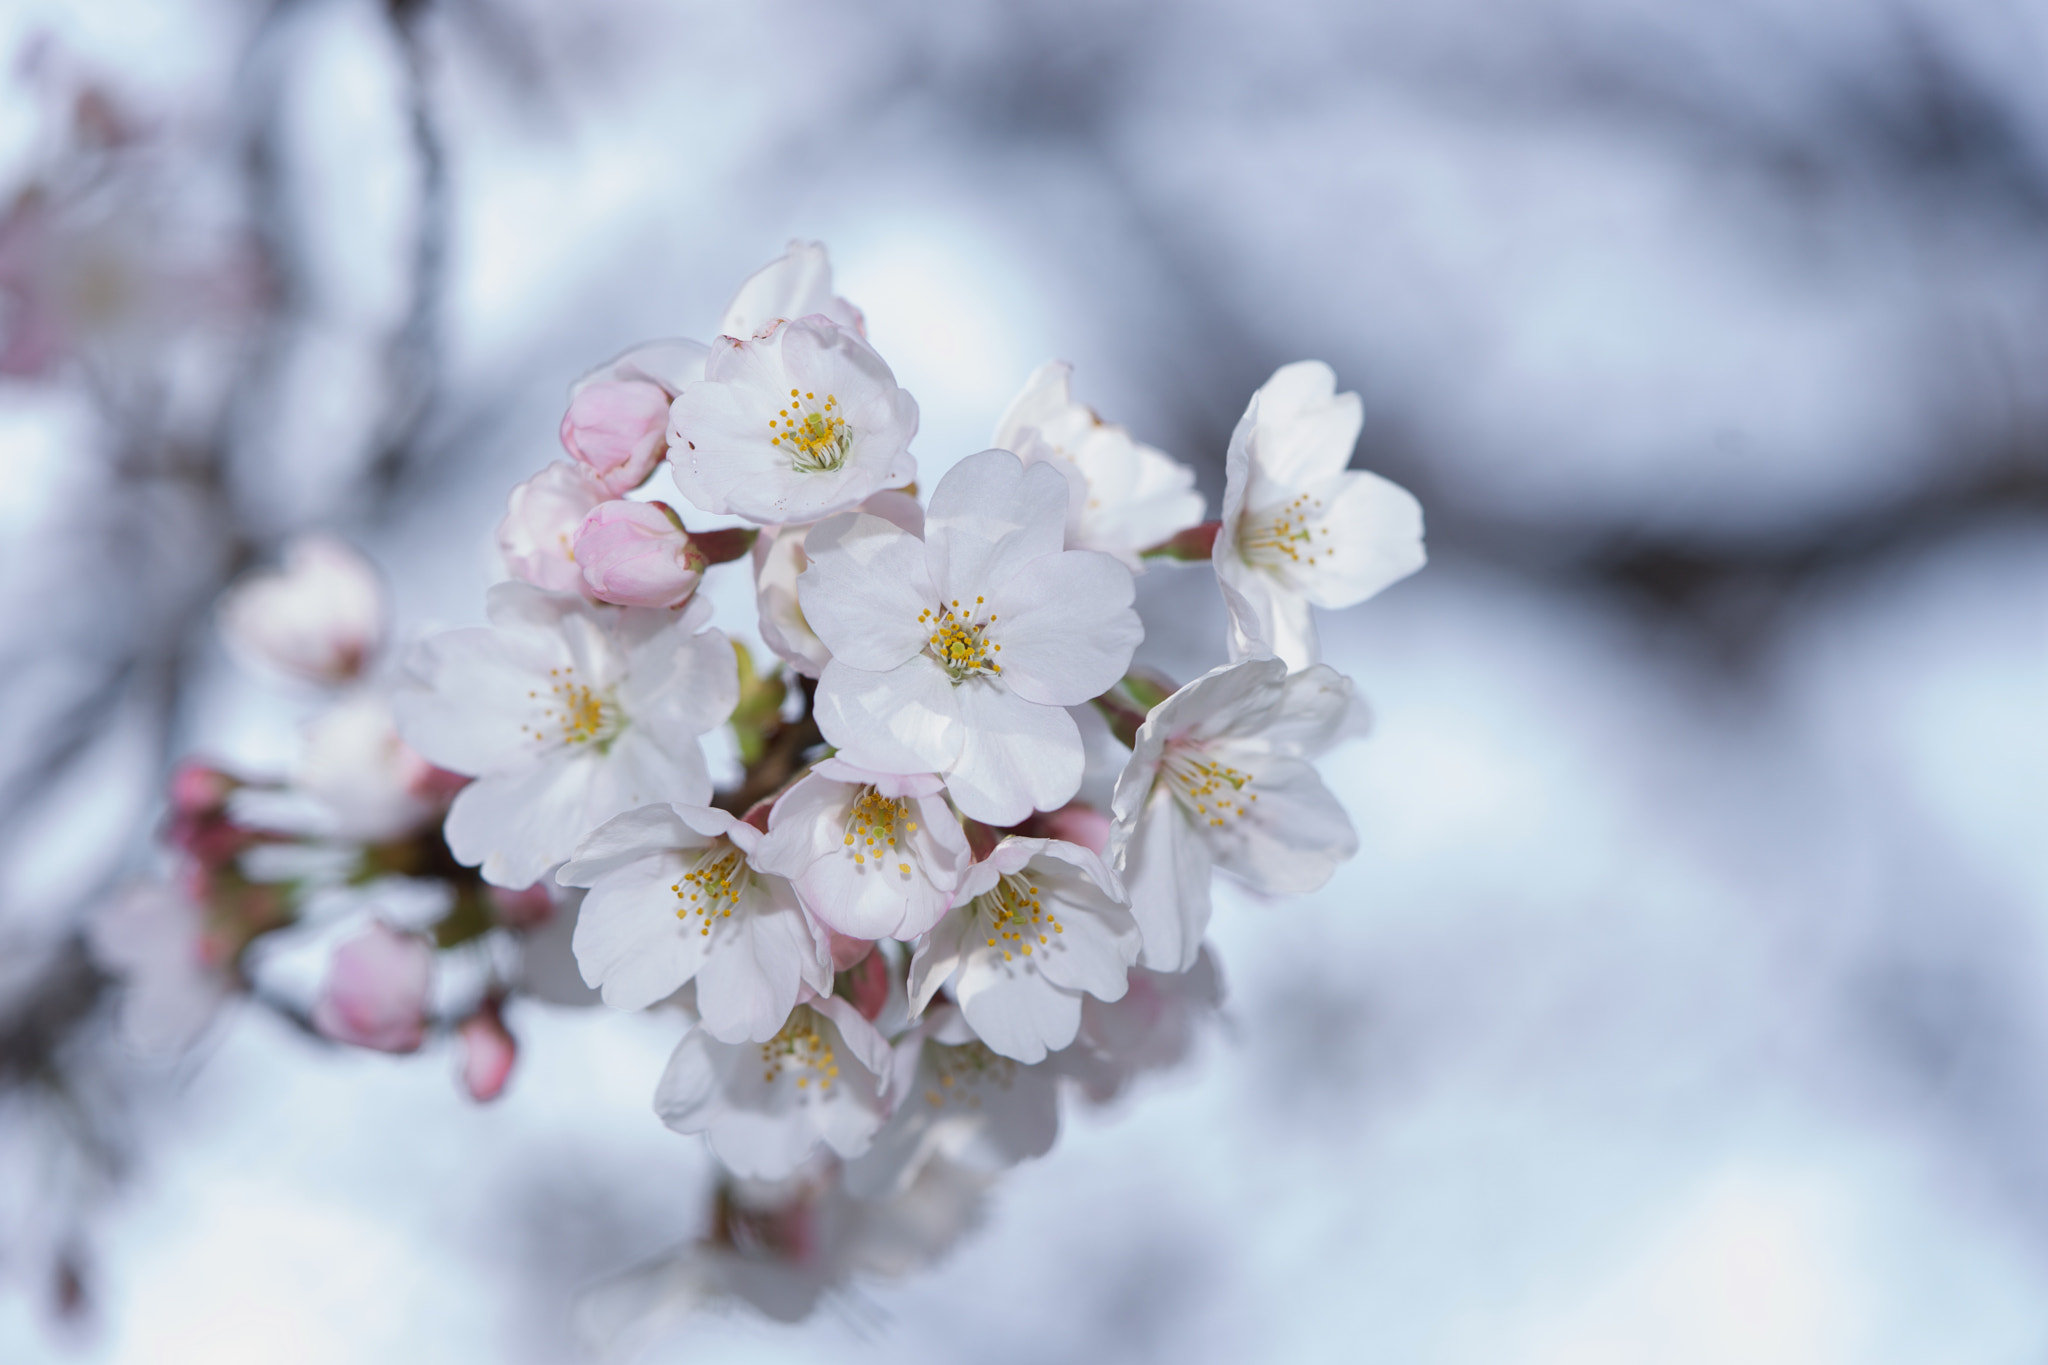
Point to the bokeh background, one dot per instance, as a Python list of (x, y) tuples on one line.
[(1688, 1000)]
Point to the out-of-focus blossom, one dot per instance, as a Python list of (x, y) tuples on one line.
[(1036, 925), (542, 517), (793, 425), (566, 713), (672, 899), (376, 990), (1124, 497), (1299, 528), (617, 429), (364, 776), (488, 1051), (873, 855), (636, 554), (1074, 823), (796, 284), (1219, 776), (779, 559), (527, 907), (154, 939), (320, 617), (781, 1246), (1152, 1028), (200, 822), (765, 1107), (957, 654), (954, 1098)]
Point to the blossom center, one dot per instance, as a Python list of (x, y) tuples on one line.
[(878, 827), (711, 887), (1287, 535), (959, 642), (800, 1050), (813, 434), (1214, 791), (575, 712), (959, 1073), (1016, 915)]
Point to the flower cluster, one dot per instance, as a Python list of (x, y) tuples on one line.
[(844, 847), (341, 861), (899, 935)]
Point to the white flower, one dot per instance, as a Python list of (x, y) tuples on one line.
[(1124, 497), (781, 1246), (369, 784), (1037, 924), (1220, 776), (795, 424), (796, 284), (567, 713), (674, 899), (957, 654), (873, 855), (779, 558), (1298, 527), (542, 516), (320, 617), (1152, 1028), (154, 939), (955, 1099), (766, 1106)]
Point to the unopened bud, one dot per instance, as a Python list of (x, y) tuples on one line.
[(618, 431), (636, 554)]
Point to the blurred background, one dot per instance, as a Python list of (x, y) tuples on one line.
[(1688, 1000)]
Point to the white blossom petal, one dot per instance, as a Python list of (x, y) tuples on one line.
[(866, 593), (1066, 627), (1017, 756), (907, 720)]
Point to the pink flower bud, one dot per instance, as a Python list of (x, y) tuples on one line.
[(847, 950), (527, 908), (538, 535), (488, 1051), (376, 991), (618, 431), (1074, 823), (636, 555), (867, 984)]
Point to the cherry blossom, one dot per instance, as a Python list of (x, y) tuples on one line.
[(766, 1106), (674, 898), (1124, 497), (1299, 528), (617, 429), (320, 617), (636, 554), (796, 423), (794, 285), (376, 990), (1220, 776), (542, 518), (1036, 925), (873, 855), (956, 654), (567, 713), (954, 1098), (779, 558), (488, 1051), (369, 783), (153, 938), (1152, 1028), (780, 1246)]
